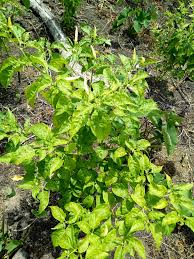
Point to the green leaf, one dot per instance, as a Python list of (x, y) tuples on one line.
[(169, 132), (183, 188), (7, 71), (83, 245), (104, 229), (57, 236), (18, 31), (86, 176), (39, 60), (75, 210), (44, 201), (120, 152), (65, 238), (111, 178), (40, 84), (88, 201), (3, 135), (100, 124), (171, 218), (94, 239), (110, 240), (190, 223), (138, 247), (119, 253), (27, 184), (57, 62), (109, 75), (10, 192), (58, 213), (73, 256), (156, 230), (131, 144), (139, 195), (18, 156), (26, 3), (120, 190), (119, 99), (125, 61), (55, 164), (143, 144), (84, 226), (161, 204), (71, 235), (136, 220), (9, 123), (101, 152), (148, 104), (155, 215), (42, 131), (12, 245), (78, 120), (137, 225), (122, 18), (137, 26), (59, 226), (100, 213), (95, 253), (157, 190)]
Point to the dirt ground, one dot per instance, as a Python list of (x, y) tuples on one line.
[(17, 210)]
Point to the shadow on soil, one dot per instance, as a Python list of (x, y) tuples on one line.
[(34, 232), (158, 90)]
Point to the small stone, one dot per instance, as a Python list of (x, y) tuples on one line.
[(47, 256), (20, 254)]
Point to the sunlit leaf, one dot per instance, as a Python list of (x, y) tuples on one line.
[(139, 195), (44, 201), (58, 213), (100, 124), (171, 218), (190, 223), (120, 190), (138, 247), (41, 131), (156, 230)]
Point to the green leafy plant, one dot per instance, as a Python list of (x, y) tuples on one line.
[(8, 9), (26, 3), (137, 18), (174, 40), (19, 38), (70, 9), (7, 245), (95, 156), (9, 36)]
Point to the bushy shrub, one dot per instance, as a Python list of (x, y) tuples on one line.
[(136, 18), (95, 156), (70, 9), (175, 41)]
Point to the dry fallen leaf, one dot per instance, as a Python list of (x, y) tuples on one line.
[(17, 178)]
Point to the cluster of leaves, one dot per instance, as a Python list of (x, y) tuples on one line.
[(15, 35), (95, 156), (175, 43), (7, 245), (70, 9), (137, 19), (7, 9)]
